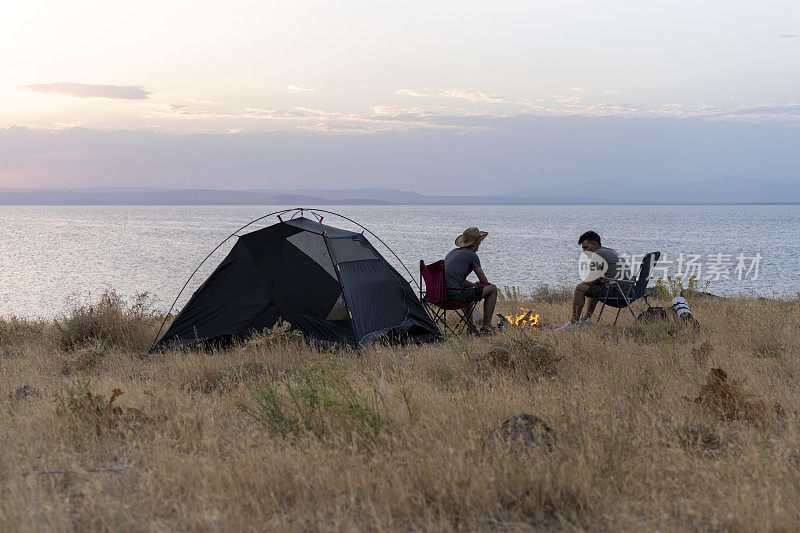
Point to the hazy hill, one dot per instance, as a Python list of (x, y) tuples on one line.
[(153, 196), (727, 190)]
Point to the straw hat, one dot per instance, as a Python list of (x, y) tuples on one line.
[(470, 237)]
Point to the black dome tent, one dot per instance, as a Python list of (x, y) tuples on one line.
[(328, 283)]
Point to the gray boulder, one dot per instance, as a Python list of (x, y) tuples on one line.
[(24, 392), (527, 430)]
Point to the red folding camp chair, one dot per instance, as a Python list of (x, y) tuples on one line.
[(434, 298)]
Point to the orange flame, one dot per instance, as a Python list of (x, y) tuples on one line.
[(524, 319)]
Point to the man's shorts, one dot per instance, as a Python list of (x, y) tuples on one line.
[(467, 294), (599, 291)]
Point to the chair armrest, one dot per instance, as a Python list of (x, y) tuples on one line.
[(617, 279)]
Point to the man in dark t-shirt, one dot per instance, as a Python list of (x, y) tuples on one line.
[(591, 288), (460, 263)]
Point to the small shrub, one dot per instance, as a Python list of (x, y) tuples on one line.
[(645, 387), (446, 377), (15, 331), (728, 400), (281, 333), (512, 294), (78, 402), (82, 360), (552, 295), (701, 437), (674, 286), (543, 293), (320, 401), (700, 353), (662, 332), (526, 353), (109, 320)]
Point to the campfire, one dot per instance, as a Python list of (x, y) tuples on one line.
[(525, 319)]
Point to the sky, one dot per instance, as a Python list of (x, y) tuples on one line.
[(456, 94)]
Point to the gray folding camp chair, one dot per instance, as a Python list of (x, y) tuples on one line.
[(622, 293)]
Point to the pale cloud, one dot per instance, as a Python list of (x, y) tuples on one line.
[(314, 112), (299, 89), (611, 109), (791, 110), (380, 119), (477, 96), (86, 90), (563, 105), (414, 93), (398, 111), (456, 111), (194, 112), (574, 101), (396, 125), (472, 96), (67, 125)]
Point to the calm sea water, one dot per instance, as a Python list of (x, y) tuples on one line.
[(52, 253)]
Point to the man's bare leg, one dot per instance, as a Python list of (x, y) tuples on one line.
[(578, 299), (489, 303)]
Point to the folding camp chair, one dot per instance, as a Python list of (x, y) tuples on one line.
[(434, 298), (623, 292)]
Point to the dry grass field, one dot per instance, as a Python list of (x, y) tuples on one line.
[(275, 434)]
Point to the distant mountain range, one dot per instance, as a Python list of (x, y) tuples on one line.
[(727, 190)]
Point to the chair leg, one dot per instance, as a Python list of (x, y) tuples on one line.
[(466, 319), (470, 324), (437, 313), (428, 311), (608, 291), (627, 302), (451, 329), (439, 316), (617, 317), (464, 322)]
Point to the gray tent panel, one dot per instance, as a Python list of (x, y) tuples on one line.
[(315, 227), (313, 245), (351, 249)]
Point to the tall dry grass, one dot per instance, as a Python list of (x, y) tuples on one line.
[(277, 434)]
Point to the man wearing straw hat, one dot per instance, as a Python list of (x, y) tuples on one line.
[(460, 263)]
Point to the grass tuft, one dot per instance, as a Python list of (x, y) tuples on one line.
[(109, 320), (320, 401)]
